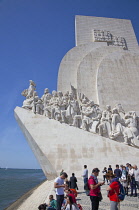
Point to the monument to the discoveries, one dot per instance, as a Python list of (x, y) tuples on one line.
[(93, 118)]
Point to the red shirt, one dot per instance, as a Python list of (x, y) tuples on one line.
[(93, 192), (113, 194)]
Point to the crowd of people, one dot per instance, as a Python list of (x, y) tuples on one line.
[(121, 181), (66, 193), (128, 175), (66, 190)]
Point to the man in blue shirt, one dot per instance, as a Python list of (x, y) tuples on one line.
[(118, 172)]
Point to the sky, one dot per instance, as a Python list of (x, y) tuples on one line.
[(34, 37)]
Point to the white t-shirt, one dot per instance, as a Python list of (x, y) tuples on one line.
[(136, 174), (131, 171), (73, 207), (59, 191)]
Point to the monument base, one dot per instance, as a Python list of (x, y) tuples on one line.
[(60, 146)]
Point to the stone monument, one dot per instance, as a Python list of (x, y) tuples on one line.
[(104, 65), (93, 117)]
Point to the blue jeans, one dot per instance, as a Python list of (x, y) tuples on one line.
[(133, 186), (85, 180), (113, 205)]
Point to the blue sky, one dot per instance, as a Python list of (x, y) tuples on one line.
[(34, 37)]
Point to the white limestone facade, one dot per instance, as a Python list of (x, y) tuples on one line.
[(84, 26), (60, 146), (104, 65)]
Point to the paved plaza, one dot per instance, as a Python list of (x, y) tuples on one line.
[(130, 203), (35, 197)]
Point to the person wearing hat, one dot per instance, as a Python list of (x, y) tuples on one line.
[(94, 186)]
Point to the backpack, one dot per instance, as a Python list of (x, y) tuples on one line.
[(121, 196), (87, 188), (74, 192)]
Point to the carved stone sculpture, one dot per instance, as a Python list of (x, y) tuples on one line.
[(66, 99), (96, 119), (87, 114), (27, 104), (39, 107), (46, 100), (35, 100), (84, 114), (117, 122), (53, 102), (72, 110), (61, 102), (31, 89), (56, 112), (29, 94), (105, 124), (131, 132), (120, 109), (44, 96), (78, 119)]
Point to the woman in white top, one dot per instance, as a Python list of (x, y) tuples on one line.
[(130, 170), (70, 205)]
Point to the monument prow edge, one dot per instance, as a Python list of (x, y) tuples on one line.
[(60, 146), (45, 164)]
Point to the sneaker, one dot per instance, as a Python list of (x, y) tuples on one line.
[(131, 195)]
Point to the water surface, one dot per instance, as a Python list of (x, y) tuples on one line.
[(15, 182)]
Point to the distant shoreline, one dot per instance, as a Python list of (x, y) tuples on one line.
[(15, 205), (21, 168)]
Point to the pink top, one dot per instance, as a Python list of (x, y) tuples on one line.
[(94, 192)]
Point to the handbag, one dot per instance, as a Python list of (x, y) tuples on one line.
[(100, 196)]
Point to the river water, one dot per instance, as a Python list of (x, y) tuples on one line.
[(15, 182)]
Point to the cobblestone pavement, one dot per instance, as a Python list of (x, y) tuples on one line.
[(130, 203), (41, 194)]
